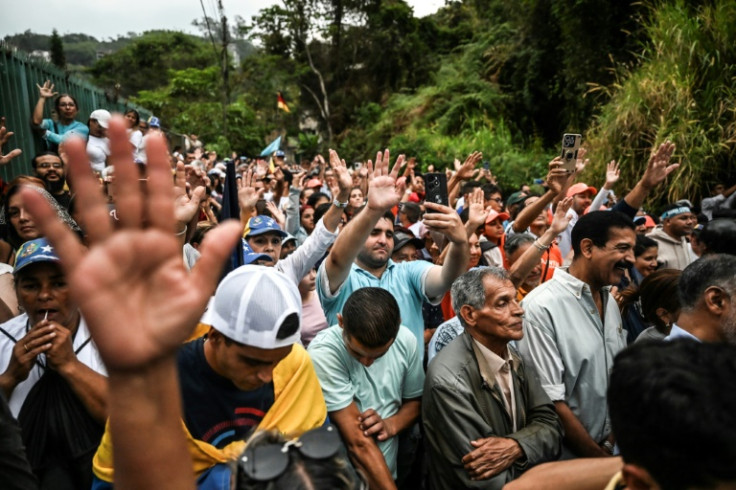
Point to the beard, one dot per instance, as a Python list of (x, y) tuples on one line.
[(55, 186), (372, 261)]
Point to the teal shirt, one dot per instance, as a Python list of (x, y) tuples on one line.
[(405, 281), (397, 375), (76, 128)]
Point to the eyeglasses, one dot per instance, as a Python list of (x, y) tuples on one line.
[(497, 199), (268, 461), (49, 165)]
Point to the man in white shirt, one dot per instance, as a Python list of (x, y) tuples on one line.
[(98, 147)]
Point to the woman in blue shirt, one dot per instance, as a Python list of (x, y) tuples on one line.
[(56, 131)]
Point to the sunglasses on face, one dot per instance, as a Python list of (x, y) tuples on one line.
[(268, 461)]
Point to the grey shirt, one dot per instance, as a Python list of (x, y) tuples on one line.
[(571, 348)]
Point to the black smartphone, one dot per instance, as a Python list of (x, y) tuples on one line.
[(570, 147), (486, 165), (435, 185)]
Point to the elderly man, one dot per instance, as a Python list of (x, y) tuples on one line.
[(573, 330), (677, 224), (707, 290), (486, 417)]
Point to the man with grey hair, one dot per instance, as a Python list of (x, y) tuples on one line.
[(486, 417), (707, 290)]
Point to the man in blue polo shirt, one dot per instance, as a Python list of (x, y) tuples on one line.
[(361, 256)]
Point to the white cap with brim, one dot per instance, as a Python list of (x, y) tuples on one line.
[(252, 303), (102, 117)]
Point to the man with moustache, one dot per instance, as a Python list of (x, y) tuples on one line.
[(49, 167), (573, 330)]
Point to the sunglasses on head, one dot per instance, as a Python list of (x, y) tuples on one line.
[(268, 461)]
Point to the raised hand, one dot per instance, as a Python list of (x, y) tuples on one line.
[(248, 196), (556, 177), (47, 91), (612, 174), (476, 211), (467, 169), (560, 219), (383, 191), (276, 214), (445, 220), (186, 205), (136, 272), (344, 180), (659, 166), (4, 137)]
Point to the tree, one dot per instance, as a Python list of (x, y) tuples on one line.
[(56, 47)]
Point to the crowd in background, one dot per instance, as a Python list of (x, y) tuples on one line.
[(363, 335)]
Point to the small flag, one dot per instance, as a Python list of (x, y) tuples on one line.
[(281, 103), (272, 147)]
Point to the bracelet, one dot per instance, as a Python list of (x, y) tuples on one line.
[(182, 232), (341, 205), (537, 244)]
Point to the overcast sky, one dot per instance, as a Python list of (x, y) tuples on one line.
[(110, 18)]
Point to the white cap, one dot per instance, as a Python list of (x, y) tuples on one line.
[(101, 116), (251, 304)]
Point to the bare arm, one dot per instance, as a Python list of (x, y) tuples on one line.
[(446, 221), (332, 217), (556, 180), (658, 168), (382, 196), (362, 448), (576, 437), (45, 92), (530, 258), (575, 474)]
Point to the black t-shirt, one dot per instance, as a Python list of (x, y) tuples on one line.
[(215, 410)]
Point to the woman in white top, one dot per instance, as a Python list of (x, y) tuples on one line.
[(134, 133)]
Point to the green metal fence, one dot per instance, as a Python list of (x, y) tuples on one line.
[(19, 74)]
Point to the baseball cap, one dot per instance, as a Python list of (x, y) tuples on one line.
[(263, 224), (579, 188), (516, 198), (289, 237), (251, 304), (279, 153), (403, 237), (314, 183), (34, 251), (249, 256), (494, 215), (101, 116), (154, 122), (645, 220)]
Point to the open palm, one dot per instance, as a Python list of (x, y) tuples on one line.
[(131, 285)]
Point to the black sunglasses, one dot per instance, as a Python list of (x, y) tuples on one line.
[(268, 461)]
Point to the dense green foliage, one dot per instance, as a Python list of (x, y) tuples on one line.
[(505, 78), (56, 48)]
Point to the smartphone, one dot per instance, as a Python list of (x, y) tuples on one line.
[(436, 188), (486, 164), (570, 146)]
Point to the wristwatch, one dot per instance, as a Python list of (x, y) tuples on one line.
[(341, 205), (608, 446)]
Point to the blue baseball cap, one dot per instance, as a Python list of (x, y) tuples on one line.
[(154, 122), (33, 251), (249, 256), (263, 224), (279, 153)]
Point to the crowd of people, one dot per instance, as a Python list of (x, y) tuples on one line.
[(560, 337)]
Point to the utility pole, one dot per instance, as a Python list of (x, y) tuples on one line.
[(225, 68)]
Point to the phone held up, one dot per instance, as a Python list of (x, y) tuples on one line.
[(436, 188), (570, 146)]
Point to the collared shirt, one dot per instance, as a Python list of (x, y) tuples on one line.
[(678, 332), (500, 368), (298, 264), (405, 281), (572, 348)]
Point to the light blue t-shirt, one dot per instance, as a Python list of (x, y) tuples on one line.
[(397, 375), (405, 281)]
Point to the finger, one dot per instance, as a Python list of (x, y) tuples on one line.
[(12, 154), (368, 413), (160, 200), (128, 199), (216, 247), (438, 207), (374, 429)]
